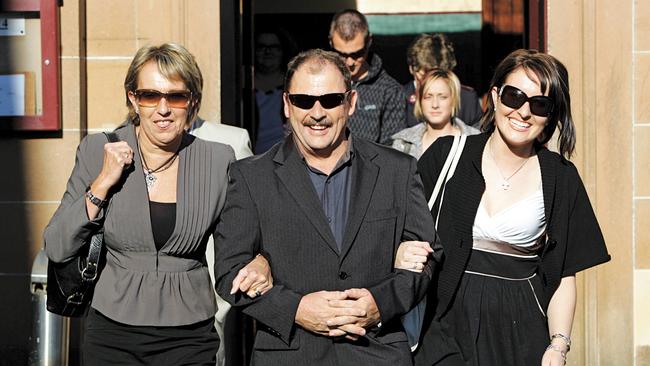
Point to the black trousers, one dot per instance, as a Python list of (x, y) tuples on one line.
[(107, 342)]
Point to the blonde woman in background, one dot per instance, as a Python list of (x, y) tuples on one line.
[(437, 103), (435, 51)]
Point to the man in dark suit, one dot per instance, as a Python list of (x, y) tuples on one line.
[(328, 211)]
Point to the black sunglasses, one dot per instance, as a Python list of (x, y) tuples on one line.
[(512, 97), (327, 101), (151, 98), (354, 55)]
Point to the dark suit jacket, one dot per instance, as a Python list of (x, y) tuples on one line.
[(574, 240), (272, 207)]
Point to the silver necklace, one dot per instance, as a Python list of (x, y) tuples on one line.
[(149, 176), (505, 182)]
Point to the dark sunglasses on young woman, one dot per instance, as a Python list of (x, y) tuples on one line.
[(151, 98), (327, 101), (512, 97)]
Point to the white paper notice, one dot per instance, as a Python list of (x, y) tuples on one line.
[(12, 95), (12, 26)]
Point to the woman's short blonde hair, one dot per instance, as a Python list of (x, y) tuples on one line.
[(450, 79), (175, 62)]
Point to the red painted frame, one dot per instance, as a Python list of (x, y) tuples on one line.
[(538, 25), (50, 120)]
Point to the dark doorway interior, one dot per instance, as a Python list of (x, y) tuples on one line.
[(505, 25)]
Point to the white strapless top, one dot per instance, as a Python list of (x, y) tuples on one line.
[(520, 224)]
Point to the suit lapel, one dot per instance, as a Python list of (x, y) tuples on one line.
[(364, 177), (291, 172)]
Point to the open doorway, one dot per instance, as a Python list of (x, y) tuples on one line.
[(482, 31)]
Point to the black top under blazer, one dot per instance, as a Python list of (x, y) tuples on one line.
[(272, 207), (574, 239)]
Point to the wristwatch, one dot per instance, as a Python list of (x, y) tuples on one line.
[(94, 199)]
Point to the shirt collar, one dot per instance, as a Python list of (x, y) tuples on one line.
[(345, 159)]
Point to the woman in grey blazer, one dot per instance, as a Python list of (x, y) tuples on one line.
[(158, 194)]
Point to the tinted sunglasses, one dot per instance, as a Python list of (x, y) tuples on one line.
[(151, 98), (512, 97), (354, 55), (327, 101)]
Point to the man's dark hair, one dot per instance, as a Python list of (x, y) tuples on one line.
[(320, 58), (348, 23), (431, 51)]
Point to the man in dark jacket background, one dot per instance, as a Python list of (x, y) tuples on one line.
[(380, 105)]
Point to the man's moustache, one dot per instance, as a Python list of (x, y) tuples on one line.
[(319, 123)]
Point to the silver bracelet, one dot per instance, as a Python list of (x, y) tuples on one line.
[(566, 340)]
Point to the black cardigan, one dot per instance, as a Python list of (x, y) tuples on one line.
[(574, 239)]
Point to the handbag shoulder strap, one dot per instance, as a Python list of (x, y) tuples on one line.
[(446, 168), (111, 136), (447, 172), (459, 151), (89, 273)]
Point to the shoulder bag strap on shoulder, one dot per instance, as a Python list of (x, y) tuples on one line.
[(447, 172), (89, 273), (111, 137)]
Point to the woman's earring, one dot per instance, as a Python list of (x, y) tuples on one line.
[(495, 108)]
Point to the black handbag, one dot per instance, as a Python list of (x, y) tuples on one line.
[(70, 284)]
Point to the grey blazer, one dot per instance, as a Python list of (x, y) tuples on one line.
[(139, 285), (272, 207)]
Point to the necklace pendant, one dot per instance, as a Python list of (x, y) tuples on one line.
[(150, 179), (505, 185)]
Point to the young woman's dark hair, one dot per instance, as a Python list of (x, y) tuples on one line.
[(554, 80)]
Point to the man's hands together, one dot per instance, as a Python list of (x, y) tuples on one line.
[(338, 313)]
